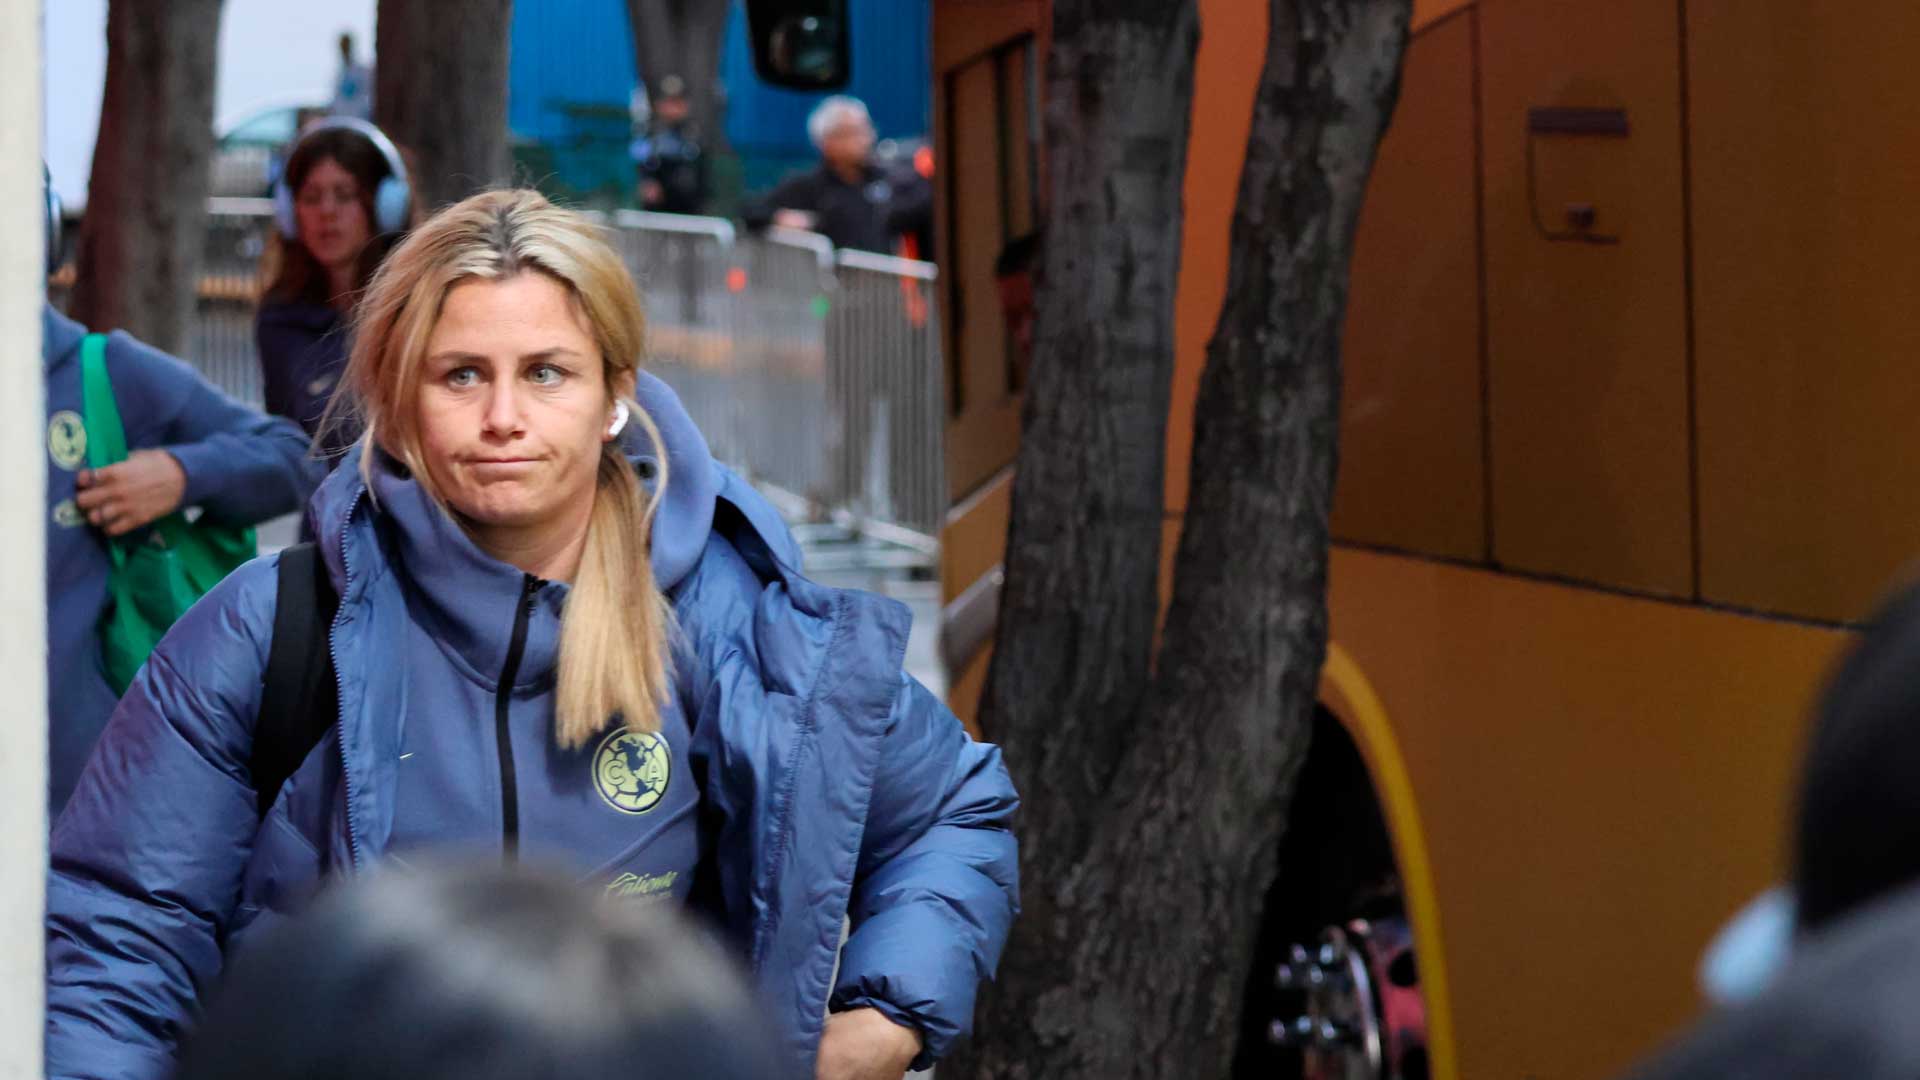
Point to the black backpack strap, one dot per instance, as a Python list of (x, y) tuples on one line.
[(299, 699)]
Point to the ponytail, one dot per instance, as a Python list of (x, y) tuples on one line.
[(614, 635)]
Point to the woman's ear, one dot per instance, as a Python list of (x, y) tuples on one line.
[(625, 383)]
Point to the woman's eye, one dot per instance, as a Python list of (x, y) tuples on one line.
[(546, 375), (461, 378)]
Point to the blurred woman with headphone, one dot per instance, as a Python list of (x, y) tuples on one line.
[(341, 204)]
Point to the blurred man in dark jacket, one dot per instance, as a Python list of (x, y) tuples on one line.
[(848, 198)]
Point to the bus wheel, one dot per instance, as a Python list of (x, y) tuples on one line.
[(1333, 987), (1360, 1015)]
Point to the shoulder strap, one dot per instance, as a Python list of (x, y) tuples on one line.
[(299, 699), (106, 438)]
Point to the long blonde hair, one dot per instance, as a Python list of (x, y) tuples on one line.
[(614, 634)]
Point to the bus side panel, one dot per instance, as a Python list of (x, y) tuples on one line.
[(1804, 120), (1412, 455), (1602, 780), (1586, 335)]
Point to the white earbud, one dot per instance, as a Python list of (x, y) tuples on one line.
[(620, 415)]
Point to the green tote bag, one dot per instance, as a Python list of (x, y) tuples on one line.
[(158, 572)]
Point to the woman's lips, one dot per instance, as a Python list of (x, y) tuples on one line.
[(497, 465)]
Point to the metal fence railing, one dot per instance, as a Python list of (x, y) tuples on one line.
[(786, 287), (813, 372), (885, 388), (681, 265), (221, 341)]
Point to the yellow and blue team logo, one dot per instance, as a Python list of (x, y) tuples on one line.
[(632, 770), (67, 439)]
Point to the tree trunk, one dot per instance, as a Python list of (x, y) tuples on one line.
[(1153, 816), (684, 38), (142, 236), (440, 92), (1074, 650)]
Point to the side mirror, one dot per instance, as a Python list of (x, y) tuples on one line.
[(801, 44)]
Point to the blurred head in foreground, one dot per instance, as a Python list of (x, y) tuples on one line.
[(1857, 834), (1856, 829), (478, 973)]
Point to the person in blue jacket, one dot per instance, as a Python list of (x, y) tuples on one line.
[(188, 445), (552, 642), (341, 204)]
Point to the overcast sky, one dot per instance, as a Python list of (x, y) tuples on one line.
[(271, 52)]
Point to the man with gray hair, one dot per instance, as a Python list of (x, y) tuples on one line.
[(847, 198)]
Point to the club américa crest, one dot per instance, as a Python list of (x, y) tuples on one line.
[(631, 769)]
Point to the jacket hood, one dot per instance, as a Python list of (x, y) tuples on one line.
[(466, 598), (59, 336), (680, 526)]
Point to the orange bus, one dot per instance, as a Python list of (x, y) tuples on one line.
[(1628, 382)]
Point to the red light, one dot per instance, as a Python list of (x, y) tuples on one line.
[(736, 280)]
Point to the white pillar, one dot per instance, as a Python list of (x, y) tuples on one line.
[(23, 634)]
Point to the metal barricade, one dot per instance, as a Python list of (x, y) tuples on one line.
[(786, 288), (682, 265), (817, 374), (220, 342), (886, 389)]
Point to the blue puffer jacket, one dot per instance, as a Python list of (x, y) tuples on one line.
[(832, 785), (242, 468)]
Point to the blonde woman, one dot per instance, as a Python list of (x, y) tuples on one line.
[(564, 634)]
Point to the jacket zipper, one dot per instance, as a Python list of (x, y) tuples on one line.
[(503, 735), (340, 685)]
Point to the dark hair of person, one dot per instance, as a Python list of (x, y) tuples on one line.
[(482, 973), (299, 276)]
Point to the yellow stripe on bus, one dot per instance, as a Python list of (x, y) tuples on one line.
[(1359, 708)]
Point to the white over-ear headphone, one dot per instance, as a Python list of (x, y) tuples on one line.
[(392, 199), (620, 415)]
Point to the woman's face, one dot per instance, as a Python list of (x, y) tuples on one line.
[(514, 406), (333, 222)]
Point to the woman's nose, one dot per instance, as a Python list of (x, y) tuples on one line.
[(503, 409)]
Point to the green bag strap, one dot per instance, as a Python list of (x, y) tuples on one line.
[(106, 437)]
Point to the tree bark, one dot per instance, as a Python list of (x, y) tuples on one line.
[(684, 38), (1074, 649), (1153, 818), (140, 242), (440, 92)]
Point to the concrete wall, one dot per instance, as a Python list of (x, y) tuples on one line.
[(23, 739)]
